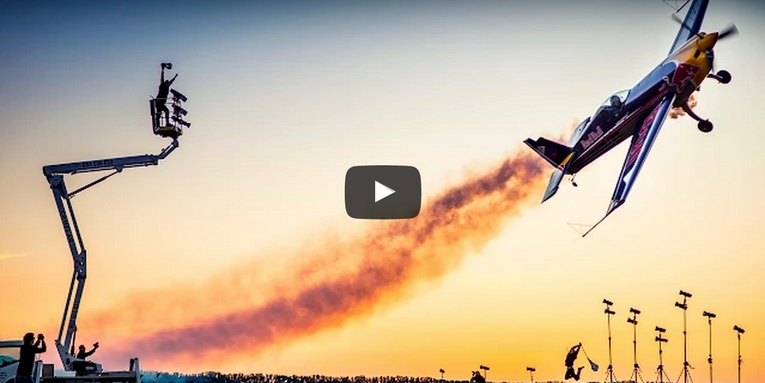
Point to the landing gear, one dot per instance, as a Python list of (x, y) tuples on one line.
[(723, 76), (704, 125)]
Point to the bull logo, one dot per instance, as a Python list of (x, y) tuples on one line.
[(684, 72)]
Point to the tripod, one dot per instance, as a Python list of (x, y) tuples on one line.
[(686, 373), (738, 376), (710, 316), (739, 331), (610, 376), (636, 370), (661, 374)]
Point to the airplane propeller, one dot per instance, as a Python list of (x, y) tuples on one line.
[(727, 32), (682, 24), (730, 31)]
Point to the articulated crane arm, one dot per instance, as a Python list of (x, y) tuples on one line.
[(55, 176)]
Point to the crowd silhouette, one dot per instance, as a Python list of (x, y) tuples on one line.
[(215, 377)]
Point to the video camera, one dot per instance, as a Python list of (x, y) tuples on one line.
[(167, 65), (635, 311), (738, 329), (660, 329), (683, 293), (710, 315), (532, 369)]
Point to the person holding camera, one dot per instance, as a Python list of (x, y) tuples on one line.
[(81, 354), (27, 356), (570, 358), (82, 366), (161, 99)]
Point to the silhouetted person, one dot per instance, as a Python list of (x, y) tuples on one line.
[(27, 356), (81, 354), (83, 366), (161, 99), (477, 377), (570, 358)]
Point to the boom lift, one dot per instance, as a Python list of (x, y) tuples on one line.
[(88, 371), (63, 198)]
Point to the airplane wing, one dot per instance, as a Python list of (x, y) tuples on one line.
[(691, 24), (642, 141)]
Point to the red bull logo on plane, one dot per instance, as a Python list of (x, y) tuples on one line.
[(684, 72), (591, 138)]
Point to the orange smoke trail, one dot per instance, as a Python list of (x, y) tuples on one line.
[(377, 269), (675, 113)]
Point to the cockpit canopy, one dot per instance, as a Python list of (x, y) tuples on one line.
[(621, 94)]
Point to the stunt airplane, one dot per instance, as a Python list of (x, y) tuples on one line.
[(640, 112)]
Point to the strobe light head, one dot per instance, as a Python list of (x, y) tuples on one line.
[(531, 369), (681, 305), (683, 293), (178, 95), (634, 311), (179, 111), (660, 329), (607, 302), (738, 329), (482, 367), (710, 315)]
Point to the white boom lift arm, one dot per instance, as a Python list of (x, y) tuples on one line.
[(55, 176)]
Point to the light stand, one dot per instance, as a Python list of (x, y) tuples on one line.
[(531, 372), (709, 317), (636, 370), (610, 376), (661, 374), (485, 372), (686, 373), (442, 373), (739, 331)]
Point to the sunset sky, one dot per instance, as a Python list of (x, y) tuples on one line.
[(248, 213)]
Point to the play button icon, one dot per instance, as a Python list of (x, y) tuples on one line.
[(382, 192)]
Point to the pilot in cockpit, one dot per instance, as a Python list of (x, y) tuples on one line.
[(616, 106)]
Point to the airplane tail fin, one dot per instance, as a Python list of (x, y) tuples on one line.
[(557, 155), (553, 152)]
